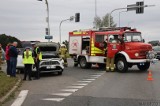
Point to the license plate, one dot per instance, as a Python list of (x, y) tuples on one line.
[(51, 67)]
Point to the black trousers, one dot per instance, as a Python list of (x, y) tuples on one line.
[(8, 68), (27, 71), (37, 69)]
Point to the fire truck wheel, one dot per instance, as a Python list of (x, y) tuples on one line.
[(121, 65), (144, 67), (83, 63)]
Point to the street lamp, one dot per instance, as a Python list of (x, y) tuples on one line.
[(47, 19), (70, 19), (109, 18), (120, 17)]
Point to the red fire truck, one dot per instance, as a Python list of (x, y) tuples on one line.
[(87, 48)]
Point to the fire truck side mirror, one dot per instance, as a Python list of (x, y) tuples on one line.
[(121, 40)]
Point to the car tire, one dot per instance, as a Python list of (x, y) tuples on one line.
[(121, 65)]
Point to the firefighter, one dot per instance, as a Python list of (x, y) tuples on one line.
[(105, 46), (62, 52), (28, 61), (112, 49)]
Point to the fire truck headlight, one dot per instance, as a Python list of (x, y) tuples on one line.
[(136, 54), (151, 55)]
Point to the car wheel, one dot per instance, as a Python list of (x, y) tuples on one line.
[(60, 72)]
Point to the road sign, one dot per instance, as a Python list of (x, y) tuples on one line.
[(48, 37)]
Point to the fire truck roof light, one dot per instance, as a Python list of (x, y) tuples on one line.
[(112, 29)]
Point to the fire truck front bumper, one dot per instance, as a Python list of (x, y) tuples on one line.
[(142, 60)]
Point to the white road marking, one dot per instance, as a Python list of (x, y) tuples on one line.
[(20, 99), (62, 94), (85, 81), (70, 90), (76, 87), (96, 75), (81, 84), (89, 79), (54, 99)]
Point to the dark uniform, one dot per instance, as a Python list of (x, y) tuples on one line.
[(38, 58)]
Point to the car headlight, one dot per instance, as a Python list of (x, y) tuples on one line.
[(136, 54), (151, 55)]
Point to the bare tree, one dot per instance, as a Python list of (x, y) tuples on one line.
[(98, 22)]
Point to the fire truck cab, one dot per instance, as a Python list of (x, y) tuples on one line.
[(87, 48)]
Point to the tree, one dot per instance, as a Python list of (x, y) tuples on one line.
[(5, 39), (98, 22)]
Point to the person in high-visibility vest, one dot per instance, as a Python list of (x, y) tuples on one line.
[(38, 58), (28, 61), (62, 52)]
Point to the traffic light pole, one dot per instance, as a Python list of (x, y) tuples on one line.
[(109, 18), (71, 18)]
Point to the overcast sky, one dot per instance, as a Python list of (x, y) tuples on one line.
[(26, 19)]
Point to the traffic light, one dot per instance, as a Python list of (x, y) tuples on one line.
[(77, 17), (140, 9)]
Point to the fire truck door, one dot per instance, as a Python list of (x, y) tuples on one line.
[(113, 46), (85, 45)]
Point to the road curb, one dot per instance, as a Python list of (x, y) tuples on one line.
[(4, 98)]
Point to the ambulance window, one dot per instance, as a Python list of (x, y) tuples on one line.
[(99, 38)]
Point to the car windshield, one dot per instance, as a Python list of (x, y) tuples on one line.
[(49, 48), (156, 48), (132, 37)]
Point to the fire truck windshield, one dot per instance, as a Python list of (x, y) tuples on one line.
[(132, 37)]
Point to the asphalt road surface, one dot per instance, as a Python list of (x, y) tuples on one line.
[(94, 87)]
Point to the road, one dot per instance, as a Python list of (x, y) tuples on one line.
[(94, 87)]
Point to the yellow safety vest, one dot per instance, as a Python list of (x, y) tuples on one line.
[(40, 54), (28, 60)]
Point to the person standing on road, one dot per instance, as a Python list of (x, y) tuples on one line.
[(38, 58), (13, 58), (62, 52), (28, 61), (8, 59)]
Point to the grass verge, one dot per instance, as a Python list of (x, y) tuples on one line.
[(6, 83)]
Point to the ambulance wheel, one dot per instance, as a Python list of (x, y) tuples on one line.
[(144, 67), (121, 65), (83, 63)]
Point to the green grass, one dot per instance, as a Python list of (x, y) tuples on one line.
[(6, 83)]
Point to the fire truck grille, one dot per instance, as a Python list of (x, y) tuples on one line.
[(142, 53)]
